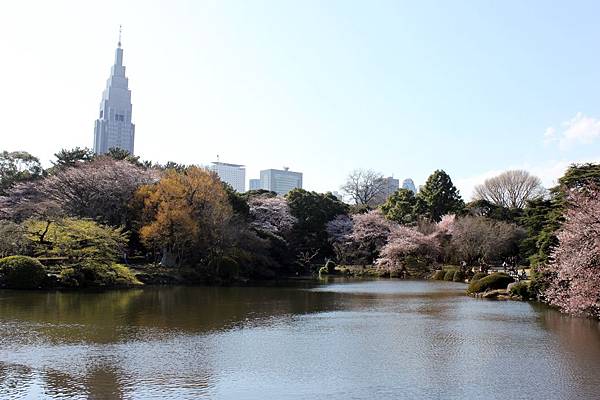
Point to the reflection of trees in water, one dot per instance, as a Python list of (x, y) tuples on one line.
[(100, 345)]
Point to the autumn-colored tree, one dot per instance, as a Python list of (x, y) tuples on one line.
[(574, 267), (184, 214)]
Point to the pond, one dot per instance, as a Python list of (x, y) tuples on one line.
[(381, 339)]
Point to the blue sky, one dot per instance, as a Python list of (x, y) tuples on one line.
[(472, 87)]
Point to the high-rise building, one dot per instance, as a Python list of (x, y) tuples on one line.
[(113, 127), (280, 181), (392, 184), (255, 184), (233, 174), (410, 185)]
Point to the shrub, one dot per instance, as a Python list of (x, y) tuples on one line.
[(20, 272), (478, 276), (96, 274), (323, 271), (439, 275), (521, 289), (459, 276), (496, 280), (449, 275)]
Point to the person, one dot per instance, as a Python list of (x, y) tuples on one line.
[(504, 265)]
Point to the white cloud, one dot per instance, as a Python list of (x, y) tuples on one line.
[(548, 173), (579, 129)]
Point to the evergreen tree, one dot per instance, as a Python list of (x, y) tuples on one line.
[(439, 197), (401, 207)]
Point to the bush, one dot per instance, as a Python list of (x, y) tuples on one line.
[(96, 274), (323, 271), (478, 276), (496, 280), (449, 275), (521, 289), (20, 272), (459, 276), (439, 275)]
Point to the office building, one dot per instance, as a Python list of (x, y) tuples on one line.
[(114, 128), (233, 174), (280, 181)]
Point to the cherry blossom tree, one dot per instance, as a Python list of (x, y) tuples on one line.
[(404, 242), (271, 214), (574, 266)]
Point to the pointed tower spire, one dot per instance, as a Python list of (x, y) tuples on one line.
[(120, 31)]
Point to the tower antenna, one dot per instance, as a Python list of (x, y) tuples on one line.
[(120, 31)]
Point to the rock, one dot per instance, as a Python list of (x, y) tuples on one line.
[(493, 294)]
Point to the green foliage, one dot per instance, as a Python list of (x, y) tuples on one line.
[(239, 203), (94, 274), (449, 275), (401, 207), (521, 289), (439, 197), (478, 276), (77, 240), (20, 272), (12, 239), (541, 219), (439, 275), (70, 158), (120, 154), (312, 211), (323, 271), (580, 175), (489, 210), (494, 281), (18, 166), (459, 276)]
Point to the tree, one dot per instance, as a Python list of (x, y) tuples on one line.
[(120, 154), (407, 246), (184, 215), (338, 231), (313, 211), (401, 207), (484, 208), (370, 232), (365, 186), (101, 189), (73, 157), (438, 197), (18, 166), (271, 214), (574, 267), (511, 189), (475, 238), (12, 239), (78, 240), (580, 175)]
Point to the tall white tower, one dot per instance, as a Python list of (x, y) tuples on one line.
[(113, 127)]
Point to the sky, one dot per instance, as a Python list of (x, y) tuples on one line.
[(323, 87)]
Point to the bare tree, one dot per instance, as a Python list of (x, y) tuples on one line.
[(365, 186), (510, 189)]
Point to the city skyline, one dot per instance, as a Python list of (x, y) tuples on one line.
[(344, 91)]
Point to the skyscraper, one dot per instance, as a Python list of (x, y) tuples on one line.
[(233, 174), (280, 181), (113, 127), (410, 185)]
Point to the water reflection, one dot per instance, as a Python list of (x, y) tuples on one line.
[(344, 339)]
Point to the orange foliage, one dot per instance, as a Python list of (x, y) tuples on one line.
[(183, 211)]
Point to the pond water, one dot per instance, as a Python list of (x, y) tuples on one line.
[(382, 339)]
